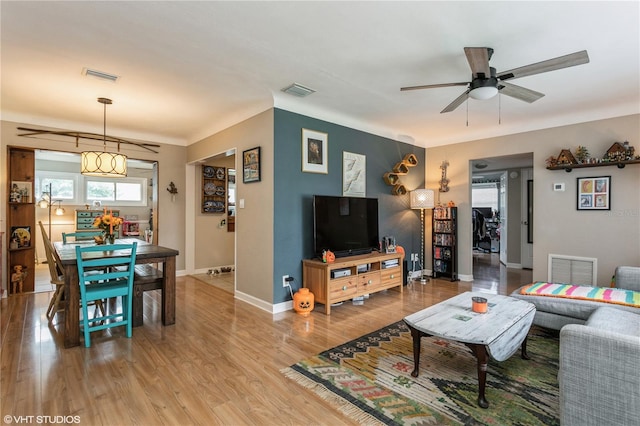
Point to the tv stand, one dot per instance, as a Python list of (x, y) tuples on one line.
[(352, 276)]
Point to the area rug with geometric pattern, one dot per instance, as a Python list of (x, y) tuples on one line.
[(369, 380)]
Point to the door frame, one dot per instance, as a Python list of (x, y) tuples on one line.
[(526, 219)]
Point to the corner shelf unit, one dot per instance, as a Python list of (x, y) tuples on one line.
[(21, 218), (569, 167), (445, 240), (353, 276)]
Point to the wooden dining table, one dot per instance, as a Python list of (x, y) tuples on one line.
[(146, 254)]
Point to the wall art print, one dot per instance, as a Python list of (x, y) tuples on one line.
[(315, 149), (354, 174), (251, 165), (594, 193)]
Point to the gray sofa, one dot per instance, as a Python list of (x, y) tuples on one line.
[(556, 312), (598, 374), (599, 355)]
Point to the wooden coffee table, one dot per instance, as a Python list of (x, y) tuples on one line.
[(497, 333)]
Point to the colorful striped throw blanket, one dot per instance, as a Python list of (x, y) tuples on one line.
[(618, 296)]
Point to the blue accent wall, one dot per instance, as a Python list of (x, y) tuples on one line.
[(294, 190)]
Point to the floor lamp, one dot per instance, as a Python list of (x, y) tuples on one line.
[(422, 199), (47, 203)]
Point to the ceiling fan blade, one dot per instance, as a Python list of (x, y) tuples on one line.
[(570, 60), (519, 92), (478, 58), (457, 102), (432, 86)]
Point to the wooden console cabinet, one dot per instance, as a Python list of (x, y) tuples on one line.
[(352, 276), (85, 219)]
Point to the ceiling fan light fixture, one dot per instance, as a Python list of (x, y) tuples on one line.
[(103, 164), (483, 93)]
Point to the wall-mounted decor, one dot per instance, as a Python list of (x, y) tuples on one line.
[(444, 182), (619, 154), (214, 189), (594, 193), (354, 174), (315, 150), (401, 168), (251, 165), (173, 190)]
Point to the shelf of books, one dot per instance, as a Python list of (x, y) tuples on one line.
[(445, 253)]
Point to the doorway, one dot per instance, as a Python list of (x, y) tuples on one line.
[(501, 214), (57, 175), (214, 228)]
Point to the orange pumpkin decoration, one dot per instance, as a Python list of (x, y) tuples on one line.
[(303, 302), (451, 204), (328, 257)]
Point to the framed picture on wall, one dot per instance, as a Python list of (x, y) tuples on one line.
[(354, 174), (315, 151), (594, 193), (251, 165)]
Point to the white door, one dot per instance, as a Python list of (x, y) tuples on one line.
[(504, 179), (526, 221)]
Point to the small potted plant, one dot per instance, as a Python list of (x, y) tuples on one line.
[(582, 154)]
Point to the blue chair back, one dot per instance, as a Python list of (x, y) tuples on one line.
[(106, 271), (78, 236)]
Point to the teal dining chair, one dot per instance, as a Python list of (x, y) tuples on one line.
[(57, 278), (79, 236), (106, 271)]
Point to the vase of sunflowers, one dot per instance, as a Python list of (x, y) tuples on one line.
[(109, 224)]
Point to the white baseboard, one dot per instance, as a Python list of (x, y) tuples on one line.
[(258, 303), (282, 307)]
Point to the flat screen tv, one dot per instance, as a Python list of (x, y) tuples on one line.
[(345, 225)]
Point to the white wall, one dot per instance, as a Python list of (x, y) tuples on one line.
[(254, 222), (613, 237)]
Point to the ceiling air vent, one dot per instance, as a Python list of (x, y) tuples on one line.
[(100, 74), (298, 90)]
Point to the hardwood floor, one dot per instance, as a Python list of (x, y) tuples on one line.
[(219, 364)]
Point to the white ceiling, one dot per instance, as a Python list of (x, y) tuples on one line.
[(190, 69)]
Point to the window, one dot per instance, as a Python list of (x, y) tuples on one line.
[(485, 195), (118, 192), (64, 186)]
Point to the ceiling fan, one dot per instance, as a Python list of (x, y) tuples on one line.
[(485, 82)]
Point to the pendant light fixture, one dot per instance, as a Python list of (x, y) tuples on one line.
[(103, 164)]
